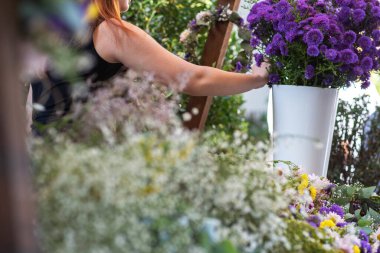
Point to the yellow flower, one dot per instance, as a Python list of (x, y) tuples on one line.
[(304, 184), (356, 249), (313, 192), (327, 224)]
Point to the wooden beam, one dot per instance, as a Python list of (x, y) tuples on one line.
[(16, 212), (213, 55)]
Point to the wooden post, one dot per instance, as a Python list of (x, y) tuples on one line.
[(213, 55), (16, 212)]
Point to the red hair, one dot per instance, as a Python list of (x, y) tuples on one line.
[(109, 10)]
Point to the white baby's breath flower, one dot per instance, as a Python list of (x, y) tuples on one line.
[(184, 35), (346, 243), (318, 182), (186, 116), (203, 18)]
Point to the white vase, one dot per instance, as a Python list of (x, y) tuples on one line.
[(303, 126)]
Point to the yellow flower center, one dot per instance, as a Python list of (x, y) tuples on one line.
[(327, 224), (378, 237), (356, 249), (313, 192), (304, 184)]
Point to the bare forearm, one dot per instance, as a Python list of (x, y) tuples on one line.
[(214, 82)]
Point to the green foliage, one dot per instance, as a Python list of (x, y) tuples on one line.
[(227, 115), (356, 144), (164, 20), (305, 238), (362, 205)]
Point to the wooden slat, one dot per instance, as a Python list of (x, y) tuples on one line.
[(16, 212), (213, 55)]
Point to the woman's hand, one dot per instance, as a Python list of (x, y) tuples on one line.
[(261, 72)]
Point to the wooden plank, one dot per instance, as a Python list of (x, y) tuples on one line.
[(16, 212), (213, 55)]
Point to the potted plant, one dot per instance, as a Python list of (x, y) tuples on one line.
[(315, 47)]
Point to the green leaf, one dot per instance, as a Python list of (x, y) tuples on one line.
[(364, 222), (350, 190), (225, 247), (367, 230), (366, 193)]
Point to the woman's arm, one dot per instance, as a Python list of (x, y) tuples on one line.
[(138, 51)]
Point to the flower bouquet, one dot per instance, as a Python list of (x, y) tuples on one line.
[(314, 44), (317, 43)]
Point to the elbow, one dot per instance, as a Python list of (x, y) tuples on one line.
[(195, 84)]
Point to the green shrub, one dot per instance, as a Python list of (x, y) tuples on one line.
[(356, 144)]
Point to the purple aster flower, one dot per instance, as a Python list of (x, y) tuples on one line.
[(349, 37), (303, 7), (279, 65), (283, 48), (337, 209), (358, 71), (363, 236), (314, 221), (187, 56), (365, 247), (366, 63), (376, 35), (344, 14), (341, 224), (348, 56), (376, 11), (259, 59), (277, 38), (328, 79), (332, 209), (291, 36), (291, 26), (271, 49), (333, 41), (274, 78), (321, 21), (313, 37), (313, 51), (365, 42), (323, 48), (238, 67), (320, 4), (309, 72), (343, 2), (360, 4), (334, 29), (254, 42), (331, 54), (193, 25), (358, 15), (283, 7)]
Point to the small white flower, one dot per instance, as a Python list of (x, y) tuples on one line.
[(347, 243), (203, 18), (376, 235), (186, 116), (184, 35), (195, 111), (38, 107), (334, 217), (318, 182)]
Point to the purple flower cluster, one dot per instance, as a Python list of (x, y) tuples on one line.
[(338, 40), (333, 209)]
